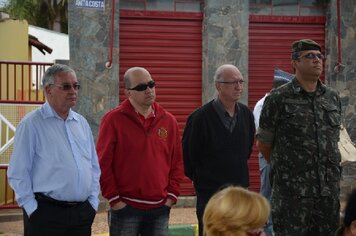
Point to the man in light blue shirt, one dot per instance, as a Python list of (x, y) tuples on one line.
[(54, 168)]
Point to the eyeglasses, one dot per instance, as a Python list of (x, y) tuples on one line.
[(236, 82), (67, 87), (143, 87), (312, 56)]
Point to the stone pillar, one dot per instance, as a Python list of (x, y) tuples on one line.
[(348, 182), (344, 78), (225, 41), (89, 40)]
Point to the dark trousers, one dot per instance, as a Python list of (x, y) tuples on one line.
[(130, 221), (51, 219), (203, 197)]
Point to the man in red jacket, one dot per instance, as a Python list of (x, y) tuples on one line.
[(140, 156)]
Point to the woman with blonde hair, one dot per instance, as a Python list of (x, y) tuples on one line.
[(235, 211)]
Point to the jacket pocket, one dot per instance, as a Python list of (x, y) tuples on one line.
[(332, 114)]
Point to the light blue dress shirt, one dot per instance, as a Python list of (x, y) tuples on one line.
[(55, 157)]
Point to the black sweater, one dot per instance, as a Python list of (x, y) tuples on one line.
[(213, 156)]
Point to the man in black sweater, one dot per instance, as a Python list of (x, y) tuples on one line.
[(218, 140)]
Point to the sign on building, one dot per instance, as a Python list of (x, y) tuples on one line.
[(97, 4)]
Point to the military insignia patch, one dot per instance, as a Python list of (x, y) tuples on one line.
[(162, 133), (300, 45)]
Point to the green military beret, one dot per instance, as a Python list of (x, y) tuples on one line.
[(305, 44)]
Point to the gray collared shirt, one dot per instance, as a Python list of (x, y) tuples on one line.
[(228, 121)]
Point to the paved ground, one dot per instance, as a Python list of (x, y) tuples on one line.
[(100, 226)]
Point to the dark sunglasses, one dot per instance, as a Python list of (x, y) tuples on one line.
[(67, 87), (143, 87), (313, 56)]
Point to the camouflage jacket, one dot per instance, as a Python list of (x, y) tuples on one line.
[(303, 129)]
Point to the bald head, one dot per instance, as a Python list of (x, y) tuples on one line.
[(134, 72)]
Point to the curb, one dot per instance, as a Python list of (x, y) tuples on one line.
[(9, 215), (176, 230), (183, 230)]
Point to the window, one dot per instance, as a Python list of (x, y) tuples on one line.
[(288, 7), (163, 5)]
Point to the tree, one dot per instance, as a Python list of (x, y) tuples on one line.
[(49, 14)]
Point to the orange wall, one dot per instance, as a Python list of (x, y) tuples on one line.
[(14, 47), (14, 40)]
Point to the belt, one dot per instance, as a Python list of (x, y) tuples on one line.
[(43, 198)]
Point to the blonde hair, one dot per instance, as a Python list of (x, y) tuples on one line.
[(233, 211)]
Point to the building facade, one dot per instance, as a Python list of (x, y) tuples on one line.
[(183, 42)]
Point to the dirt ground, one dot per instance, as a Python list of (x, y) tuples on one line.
[(100, 226)]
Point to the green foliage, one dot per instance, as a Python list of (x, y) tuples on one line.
[(47, 14)]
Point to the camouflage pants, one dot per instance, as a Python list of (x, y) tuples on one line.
[(305, 216)]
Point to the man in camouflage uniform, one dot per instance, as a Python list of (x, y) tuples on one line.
[(299, 134)]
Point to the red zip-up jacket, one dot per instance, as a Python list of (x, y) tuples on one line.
[(141, 167)]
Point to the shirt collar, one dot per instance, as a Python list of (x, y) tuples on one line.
[(151, 115), (48, 112), (220, 107), (320, 88)]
